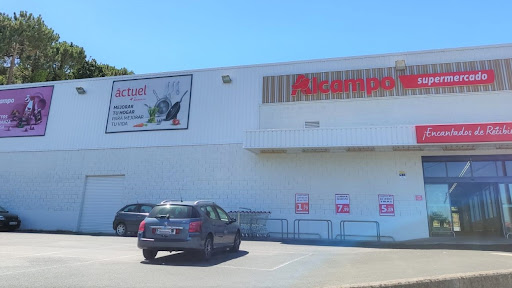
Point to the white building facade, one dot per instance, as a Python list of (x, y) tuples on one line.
[(419, 142)]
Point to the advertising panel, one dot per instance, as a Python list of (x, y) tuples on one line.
[(24, 112), (464, 133), (386, 205), (148, 104), (342, 203), (301, 203)]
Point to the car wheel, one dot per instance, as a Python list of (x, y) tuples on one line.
[(236, 243), (149, 254), (208, 248), (121, 229)]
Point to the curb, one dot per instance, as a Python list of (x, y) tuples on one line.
[(494, 279)]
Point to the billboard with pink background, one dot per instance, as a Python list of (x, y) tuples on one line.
[(24, 112)]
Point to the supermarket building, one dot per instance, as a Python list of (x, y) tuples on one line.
[(420, 142)]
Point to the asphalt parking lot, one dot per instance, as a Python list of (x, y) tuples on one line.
[(61, 260)]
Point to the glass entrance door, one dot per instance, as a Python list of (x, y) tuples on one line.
[(475, 208), (506, 207), (438, 209)]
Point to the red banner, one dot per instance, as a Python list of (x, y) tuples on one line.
[(464, 133), (465, 78)]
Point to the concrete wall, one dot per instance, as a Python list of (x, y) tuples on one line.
[(50, 198)]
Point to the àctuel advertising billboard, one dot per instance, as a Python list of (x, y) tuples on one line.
[(148, 104), (24, 112)]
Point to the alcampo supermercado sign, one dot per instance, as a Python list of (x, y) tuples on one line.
[(489, 75), (465, 78)]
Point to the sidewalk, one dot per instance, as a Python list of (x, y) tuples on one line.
[(457, 243)]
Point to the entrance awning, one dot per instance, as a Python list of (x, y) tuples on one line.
[(370, 138)]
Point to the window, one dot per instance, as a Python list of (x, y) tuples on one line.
[(210, 212), (459, 169), (130, 209), (172, 212), (145, 209), (484, 169), (434, 169), (222, 214)]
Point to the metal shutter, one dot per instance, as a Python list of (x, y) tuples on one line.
[(102, 199)]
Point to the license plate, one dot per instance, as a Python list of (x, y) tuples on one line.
[(13, 223), (166, 231)]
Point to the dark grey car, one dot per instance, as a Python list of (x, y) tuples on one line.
[(200, 226), (8, 221), (128, 218)]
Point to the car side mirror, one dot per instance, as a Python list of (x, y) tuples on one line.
[(232, 220)]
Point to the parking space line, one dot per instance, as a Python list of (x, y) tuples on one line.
[(66, 265), (282, 265), (268, 269), (503, 254)]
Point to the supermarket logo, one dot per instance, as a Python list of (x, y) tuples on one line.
[(307, 86), (6, 101)]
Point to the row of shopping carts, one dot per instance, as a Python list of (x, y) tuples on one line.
[(252, 223)]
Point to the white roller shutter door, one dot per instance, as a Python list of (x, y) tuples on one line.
[(102, 199)]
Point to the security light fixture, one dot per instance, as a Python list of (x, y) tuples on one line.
[(400, 65), (80, 90), (226, 79)]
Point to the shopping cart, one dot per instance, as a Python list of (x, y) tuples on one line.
[(252, 223)]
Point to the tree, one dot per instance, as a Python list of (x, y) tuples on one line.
[(26, 41), (92, 69), (30, 52), (67, 59)]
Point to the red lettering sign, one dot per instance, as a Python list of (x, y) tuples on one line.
[(464, 133), (386, 205), (465, 78), (342, 202), (301, 203), (312, 86)]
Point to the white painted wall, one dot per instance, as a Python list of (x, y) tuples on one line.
[(42, 178), (50, 199), (411, 110)]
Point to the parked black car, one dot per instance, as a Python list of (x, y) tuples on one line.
[(128, 218), (8, 221)]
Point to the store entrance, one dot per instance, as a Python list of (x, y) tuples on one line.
[(475, 209), (469, 195)]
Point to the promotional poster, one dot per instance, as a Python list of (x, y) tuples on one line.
[(150, 104), (24, 112)]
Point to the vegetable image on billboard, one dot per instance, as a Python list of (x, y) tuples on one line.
[(24, 112), (147, 104)]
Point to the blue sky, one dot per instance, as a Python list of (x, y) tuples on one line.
[(156, 35)]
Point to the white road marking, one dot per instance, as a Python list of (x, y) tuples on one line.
[(66, 265), (503, 254), (282, 265), (267, 269)]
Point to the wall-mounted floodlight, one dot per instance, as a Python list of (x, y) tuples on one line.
[(80, 90), (226, 79), (400, 65)]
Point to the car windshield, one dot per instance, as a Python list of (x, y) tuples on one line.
[(172, 211), (2, 209)]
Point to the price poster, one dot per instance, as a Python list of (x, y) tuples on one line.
[(301, 203), (386, 205), (342, 203)]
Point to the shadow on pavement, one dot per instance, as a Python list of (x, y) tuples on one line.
[(192, 259)]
